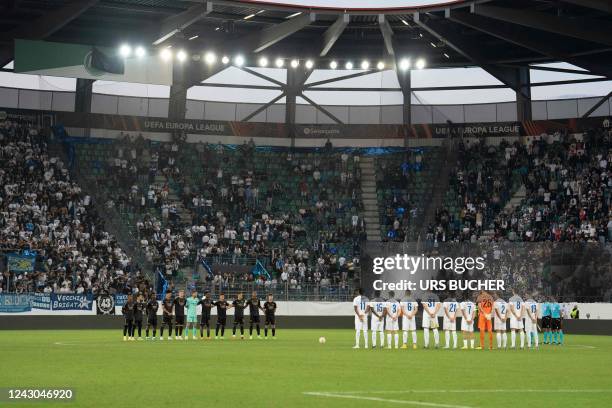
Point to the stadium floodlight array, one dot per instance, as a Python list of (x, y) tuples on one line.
[(210, 58)]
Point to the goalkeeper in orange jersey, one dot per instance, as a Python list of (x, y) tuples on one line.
[(485, 314)]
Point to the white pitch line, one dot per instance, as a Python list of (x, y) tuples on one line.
[(468, 391), (392, 401)]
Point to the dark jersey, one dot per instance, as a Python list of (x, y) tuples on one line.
[(254, 305), (221, 308), (207, 304), (128, 310), (139, 310), (179, 306), (270, 308), (152, 307), (167, 306), (239, 306)]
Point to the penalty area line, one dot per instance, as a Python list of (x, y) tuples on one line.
[(377, 399)]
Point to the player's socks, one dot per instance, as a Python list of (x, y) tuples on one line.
[(201, 331), (454, 339), (356, 338), (404, 337), (426, 337), (522, 336), (396, 338), (365, 338), (513, 339), (373, 339), (491, 340), (194, 332), (388, 340), (482, 339), (446, 339), (472, 341), (465, 344), (436, 337), (561, 336), (414, 338), (498, 337), (266, 332), (505, 340), (382, 339), (274, 332)]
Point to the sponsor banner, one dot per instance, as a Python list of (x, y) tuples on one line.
[(15, 303), (20, 263), (71, 302), (105, 304), (280, 130), (41, 301)]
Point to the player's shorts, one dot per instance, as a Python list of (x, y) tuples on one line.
[(359, 324), (192, 318), (205, 320), (180, 320), (516, 324), (499, 324), (449, 325), (270, 319), (546, 321), (391, 324), (239, 320), (530, 326), (255, 319), (467, 327), (430, 322), (152, 321), (377, 324), (408, 324), (221, 320), (484, 324), (555, 323), (167, 320)]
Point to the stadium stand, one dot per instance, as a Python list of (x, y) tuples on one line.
[(45, 212)]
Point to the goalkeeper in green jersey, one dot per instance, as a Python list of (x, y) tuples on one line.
[(192, 315)]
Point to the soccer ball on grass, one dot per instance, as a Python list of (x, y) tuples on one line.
[(322, 340)]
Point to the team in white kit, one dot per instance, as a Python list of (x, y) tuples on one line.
[(387, 313)]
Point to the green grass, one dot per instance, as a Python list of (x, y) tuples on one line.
[(106, 372)]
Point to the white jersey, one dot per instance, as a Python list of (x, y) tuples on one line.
[(393, 311), (501, 309), (531, 317), (378, 305), (429, 322), (409, 309), (517, 308), (452, 309), (468, 309), (361, 320)]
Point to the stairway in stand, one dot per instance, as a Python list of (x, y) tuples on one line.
[(369, 199)]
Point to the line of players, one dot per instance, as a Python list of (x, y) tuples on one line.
[(523, 317), (185, 313)]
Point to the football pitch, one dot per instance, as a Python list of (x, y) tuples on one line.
[(296, 371)]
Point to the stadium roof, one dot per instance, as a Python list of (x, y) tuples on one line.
[(491, 34)]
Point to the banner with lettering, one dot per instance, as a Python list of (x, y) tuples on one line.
[(71, 302), (41, 301), (15, 303)]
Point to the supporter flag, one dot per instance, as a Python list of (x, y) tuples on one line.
[(260, 270), (21, 263), (208, 268)]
